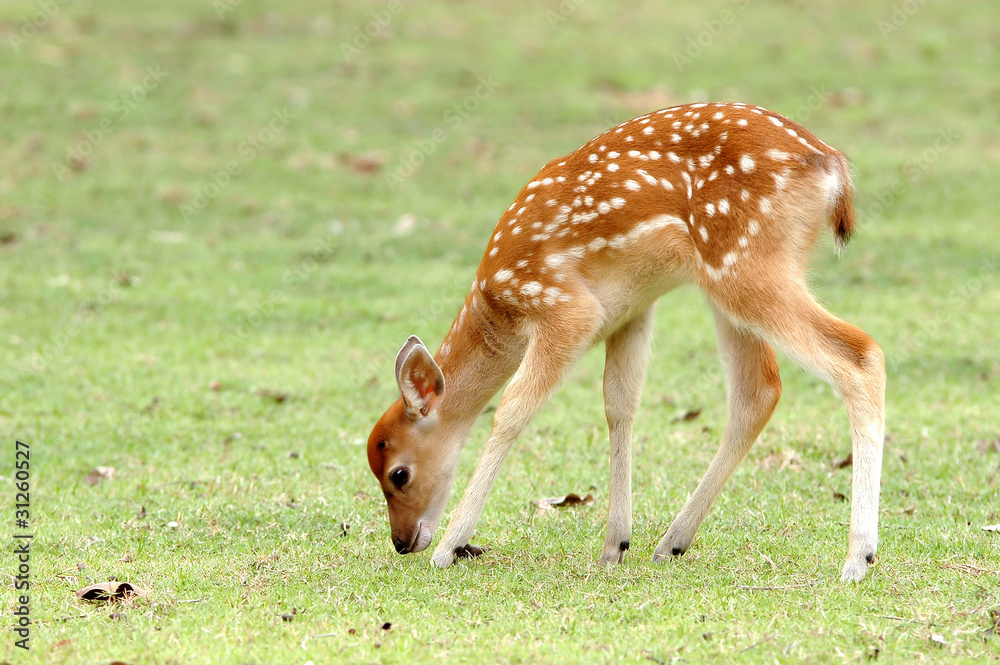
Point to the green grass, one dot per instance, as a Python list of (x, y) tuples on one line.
[(118, 311)]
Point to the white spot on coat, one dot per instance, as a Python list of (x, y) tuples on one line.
[(746, 163), (531, 289), (645, 176), (555, 260)]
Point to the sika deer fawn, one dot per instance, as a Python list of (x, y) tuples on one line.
[(728, 196)]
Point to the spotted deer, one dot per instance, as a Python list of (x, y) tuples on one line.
[(728, 196)]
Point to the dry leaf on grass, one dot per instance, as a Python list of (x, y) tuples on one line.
[(110, 591), (366, 163), (98, 474), (995, 620), (992, 446), (276, 396), (844, 463), (568, 500), (687, 416)]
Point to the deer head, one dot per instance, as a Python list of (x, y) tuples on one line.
[(412, 450)]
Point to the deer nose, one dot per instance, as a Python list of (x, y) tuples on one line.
[(401, 545)]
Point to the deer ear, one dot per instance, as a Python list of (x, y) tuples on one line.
[(420, 380)]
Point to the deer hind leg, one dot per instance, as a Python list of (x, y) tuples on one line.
[(753, 388), (852, 362), (624, 374), (556, 343)]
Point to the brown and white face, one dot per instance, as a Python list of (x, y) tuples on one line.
[(411, 451)]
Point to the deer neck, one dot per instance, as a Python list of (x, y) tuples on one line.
[(477, 357)]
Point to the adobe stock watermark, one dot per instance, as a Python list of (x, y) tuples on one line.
[(212, 186), (913, 170), (817, 98), (565, 9), (449, 300), (453, 119), (33, 25), (223, 7), (58, 342), (929, 328), (265, 308), (713, 29), (898, 17), (121, 108), (363, 35)]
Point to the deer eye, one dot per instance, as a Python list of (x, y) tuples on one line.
[(399, 477)]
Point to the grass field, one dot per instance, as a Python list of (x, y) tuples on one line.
[(219, 221)]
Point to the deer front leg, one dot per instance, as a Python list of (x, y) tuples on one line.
[(555, 345), (624, 374), (463, 520)]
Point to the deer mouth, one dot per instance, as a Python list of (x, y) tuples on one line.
[(421, 539)]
